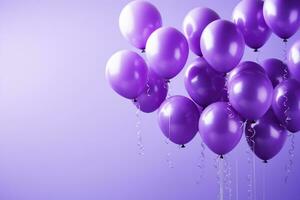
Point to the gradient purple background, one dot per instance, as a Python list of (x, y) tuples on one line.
[(65, 134)]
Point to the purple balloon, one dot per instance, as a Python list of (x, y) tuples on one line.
[(265, 136), (222, 45), (248, 16), (250, 92), (203, 83), (167, 52), (282, 16), (154, 94), (286, 104), (294, 61), (220, 127), (126, 72), (194, 23), (137, 21), (178, 119), (276, 70)]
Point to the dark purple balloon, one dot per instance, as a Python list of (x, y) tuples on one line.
[(250, 92), (154, 94), (286, 104), (276, 70), (248, 16), (127, 72), (178, 119), (203, 83), (137, 21), (265, 136), (194, 23), (222, 45), (220, 127), (167, 52), (294, 61), (282, 16)]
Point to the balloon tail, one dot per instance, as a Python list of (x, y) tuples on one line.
[(138, 130), (291, 151), (201, 163)]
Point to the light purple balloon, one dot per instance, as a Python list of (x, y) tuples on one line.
[(248, 17), (127, 72), (265, 136), (167, 52), (250, 92), (137, 21), (194, 23), (294, 61), (282, 16), (286, 104), (220, 127), (222, 45), (154, 94), (276, 70), (178, 119), (203, 83)]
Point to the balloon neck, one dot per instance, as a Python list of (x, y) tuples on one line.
[(221, 156), (285, 40), (134, 100), (255, 50), (182, 146), (265, 161), (143, 51)]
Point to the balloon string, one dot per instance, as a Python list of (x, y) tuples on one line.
[(249, 176), (291, 151), (138, 130), (236, 180), (227, 180), (264, 181), (169, 156), (221, 171), (201, 163), (257, 52), (252, 142)]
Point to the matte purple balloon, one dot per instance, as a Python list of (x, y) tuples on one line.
[(265, 136), (294, 61), (248, 17), (282, 16), (286, 104), (167, 52), (127, 72), (250, 92), (222, 45), (178, 119), (220, 127), (137, 21), (194, 23), (276, 70), (154, 94), (203, 83)]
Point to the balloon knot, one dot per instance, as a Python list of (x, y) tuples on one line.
[(182, 146), (255, 50), (143, 51), (221, 156), (168, 81), (134, 100), (265, 161), (285, 40)]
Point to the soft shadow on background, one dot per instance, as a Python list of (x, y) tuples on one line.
[(64, 134)]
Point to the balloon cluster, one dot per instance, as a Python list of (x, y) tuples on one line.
[(228, 97)]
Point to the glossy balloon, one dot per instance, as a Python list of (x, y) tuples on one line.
[(167, 52), (154, 94), (294, 61), (276, 70), (220, 127), (178, 119), (194, 23), (248, 16), (266, 137), (222, 45), (286, 104), (203, 84), (282, 16), (127, 72), (250, 92), (137, 21)]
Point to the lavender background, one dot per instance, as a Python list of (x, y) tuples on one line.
[(64, 134)]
